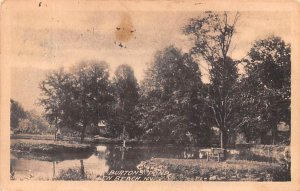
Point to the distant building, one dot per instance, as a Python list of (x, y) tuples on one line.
[(102, 127), (283, 133), (102, 124), (283, 127)]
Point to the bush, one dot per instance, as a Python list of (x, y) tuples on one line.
[(72, 174)]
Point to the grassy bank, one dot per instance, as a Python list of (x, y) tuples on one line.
[(198, 169), (48, 148), (87, 140), (65, 138)]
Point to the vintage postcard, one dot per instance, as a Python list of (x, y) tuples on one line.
[(143, 95)]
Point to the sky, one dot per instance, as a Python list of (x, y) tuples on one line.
[(42, 41)]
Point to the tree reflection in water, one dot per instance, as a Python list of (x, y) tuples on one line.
[(53, 166), (82, 173), (124, 158), (86, 166), (117, 158)]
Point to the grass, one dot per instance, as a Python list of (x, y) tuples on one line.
[(87, 139), (230, 170), (50, 137), (38, 148)]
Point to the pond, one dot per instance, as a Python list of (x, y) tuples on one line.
[(107, 158), (113, 162)]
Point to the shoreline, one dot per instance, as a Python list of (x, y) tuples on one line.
[(38, 148), (246, 166)]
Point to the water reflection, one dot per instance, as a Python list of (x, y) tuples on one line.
[(49, 168), (82, 166), (87, 165), (82, 173)]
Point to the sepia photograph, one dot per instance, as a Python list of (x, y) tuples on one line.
[(98, 93)]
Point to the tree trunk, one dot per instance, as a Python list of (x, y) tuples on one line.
[(53, 163), (124, 144), (274, 132), (247, 137), (221, 139), (82, 133), (56, 129)]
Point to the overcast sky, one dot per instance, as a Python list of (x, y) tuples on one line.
[(43, 40)]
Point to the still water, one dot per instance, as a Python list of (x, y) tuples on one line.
[(107, 158)]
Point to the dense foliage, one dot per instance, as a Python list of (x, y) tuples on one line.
[(268, 87), (172, 104), (80, 98), (169, 106), (126, 96)]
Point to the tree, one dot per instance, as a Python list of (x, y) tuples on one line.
[(34, 124), (55, 92), (213, 33), (17, 113), (78, 99), (169, 106), (126, 90), (91, 95), (269, 79)]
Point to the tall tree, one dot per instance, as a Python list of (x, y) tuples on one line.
[(213, 33), (17, 113), (169, 107), (78, 99), (126, 90), (269, 83), (55, 97), (91, 95)]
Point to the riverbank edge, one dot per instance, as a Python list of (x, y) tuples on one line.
[(48, 147), (87, 140), (202, 170)]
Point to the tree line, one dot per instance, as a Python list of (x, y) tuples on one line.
[(172, 103), (27, 122)]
